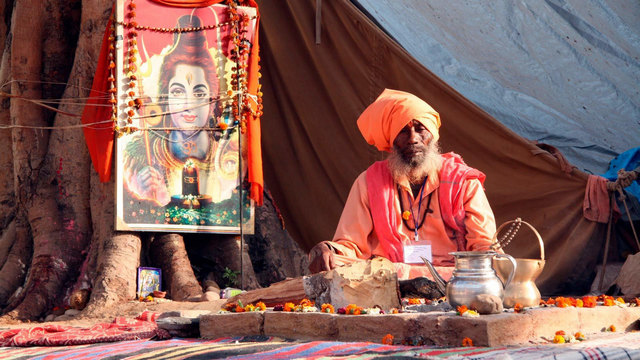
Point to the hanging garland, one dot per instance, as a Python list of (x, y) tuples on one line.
[(238, 23)]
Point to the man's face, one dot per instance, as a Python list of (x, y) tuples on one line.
[(412, 142)]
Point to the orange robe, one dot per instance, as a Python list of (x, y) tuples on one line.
[(355, 238)]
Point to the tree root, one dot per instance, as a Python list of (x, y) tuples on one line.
[(169, 253)]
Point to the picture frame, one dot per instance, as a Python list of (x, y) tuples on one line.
[(149, 280), (180, 155)]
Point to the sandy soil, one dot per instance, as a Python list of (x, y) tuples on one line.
[(129, 309)]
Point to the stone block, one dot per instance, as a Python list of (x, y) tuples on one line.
[(373, 327), (601, 317), (191, 314), (507, 329), (180, 326), (215, 326), (365, 283), (547, 320), (303, 326)]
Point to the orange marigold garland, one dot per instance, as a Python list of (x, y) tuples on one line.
[(467, 342), (589, 301)]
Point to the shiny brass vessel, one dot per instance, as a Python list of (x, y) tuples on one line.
[(522, 289)]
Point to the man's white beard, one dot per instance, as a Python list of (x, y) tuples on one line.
[(414, 170)]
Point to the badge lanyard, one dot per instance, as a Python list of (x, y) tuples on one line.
[(417, 219)]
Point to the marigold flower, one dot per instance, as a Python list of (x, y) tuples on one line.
[(518, 308), (238, 309), (558, 339), (387, 339), (223, 125), (306, 302), (562, 302), (250, 307), (327, 308), (612, 328), (462, 309), (620, 300), (579, 336), (261, 306), (608, 301), (406, 215), (414, 301), (579, 303), (394, 311), (467, 342), (289, 307), (589, 301), (551, 301), (636, 301), (560, 332)]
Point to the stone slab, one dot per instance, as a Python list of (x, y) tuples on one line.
[(191, 314), (302, 326), (434, 328), (215, 326), (180, 326)]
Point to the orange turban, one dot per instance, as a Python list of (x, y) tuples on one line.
[(381, 121)]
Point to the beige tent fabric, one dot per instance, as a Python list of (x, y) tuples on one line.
[(313, 94)]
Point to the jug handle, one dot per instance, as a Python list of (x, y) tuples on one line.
[(513, 263)]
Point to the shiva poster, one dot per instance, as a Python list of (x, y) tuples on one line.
[(181, 150)]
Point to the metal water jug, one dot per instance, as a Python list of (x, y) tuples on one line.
[(474, 275)]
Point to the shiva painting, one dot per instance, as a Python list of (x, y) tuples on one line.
[(181, 161)]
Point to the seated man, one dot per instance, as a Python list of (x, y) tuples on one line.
[(416, 201)]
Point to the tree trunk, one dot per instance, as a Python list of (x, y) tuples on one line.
[(57, 232)]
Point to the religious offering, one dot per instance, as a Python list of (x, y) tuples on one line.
[(181, 98), (149, 281)]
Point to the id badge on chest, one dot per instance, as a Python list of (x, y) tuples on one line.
[(415, 250)]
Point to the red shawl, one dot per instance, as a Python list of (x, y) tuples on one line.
[(381, 190)]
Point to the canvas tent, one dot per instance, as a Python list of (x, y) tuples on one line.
[(313, 94)]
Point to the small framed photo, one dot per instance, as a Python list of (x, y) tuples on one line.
[(149, 280)]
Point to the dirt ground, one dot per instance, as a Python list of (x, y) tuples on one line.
[(129, 309)]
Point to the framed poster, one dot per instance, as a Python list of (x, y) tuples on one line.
[(181, 153), (149, 280)]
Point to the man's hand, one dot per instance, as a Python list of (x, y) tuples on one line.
[(321, 258)]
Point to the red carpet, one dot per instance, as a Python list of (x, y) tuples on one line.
[(121, 329)]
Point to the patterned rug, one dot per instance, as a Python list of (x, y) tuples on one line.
[(121, 329), (612, 346)]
